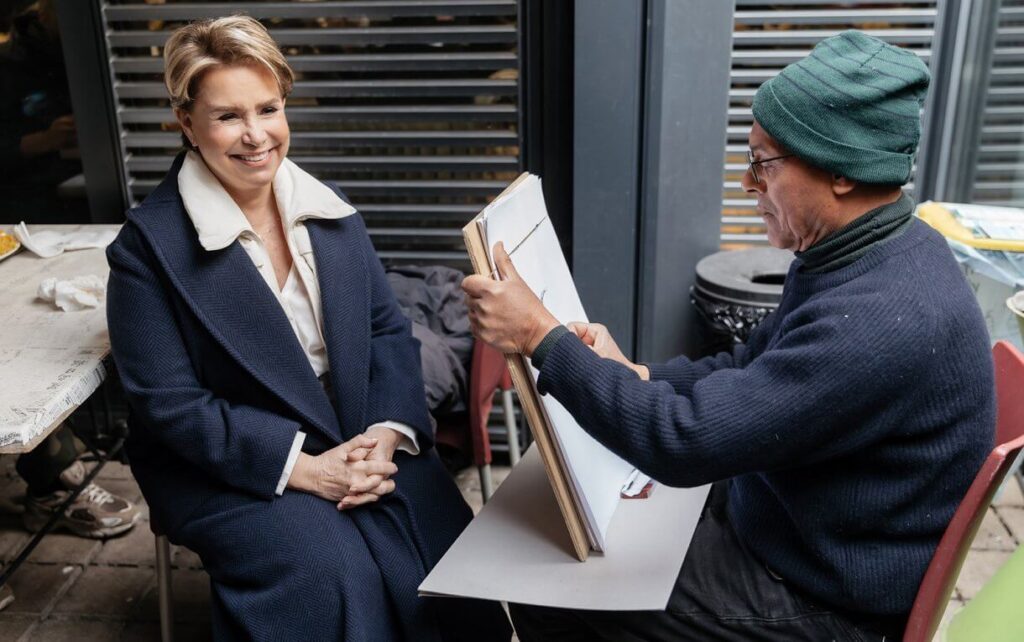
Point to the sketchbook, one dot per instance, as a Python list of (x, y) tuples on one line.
[(586, 477)]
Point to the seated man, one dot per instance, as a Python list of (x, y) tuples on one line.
[(844, 433)]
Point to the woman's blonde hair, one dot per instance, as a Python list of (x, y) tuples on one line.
[(200, 46)]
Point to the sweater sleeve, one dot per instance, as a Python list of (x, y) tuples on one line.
[(681, 373), (790, 405)]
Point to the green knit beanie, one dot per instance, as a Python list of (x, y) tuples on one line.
[(852, 107)]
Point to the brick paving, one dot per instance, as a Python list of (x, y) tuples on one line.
[(85, 591)]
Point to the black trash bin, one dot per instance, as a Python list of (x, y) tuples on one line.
[(735, 290)]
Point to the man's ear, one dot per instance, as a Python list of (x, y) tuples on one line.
[(842, 185)]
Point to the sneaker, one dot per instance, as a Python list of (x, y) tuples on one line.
[(96, 513), (6, 596)]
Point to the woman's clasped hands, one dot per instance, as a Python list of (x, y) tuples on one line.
[(354, 473)]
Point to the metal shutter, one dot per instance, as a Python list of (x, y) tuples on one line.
[(411, 106), (999, 174), (768, 36)]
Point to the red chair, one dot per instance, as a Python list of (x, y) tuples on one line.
[(941, 576), (487, 374)]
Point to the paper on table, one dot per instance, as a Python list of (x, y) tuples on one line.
[(78, 293), (515, 549), (50, 361), (50, 243), (520, 220)]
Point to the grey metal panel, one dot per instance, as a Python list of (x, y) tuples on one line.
[(418, 232), (362, 163), (999, 186), (1012, 168), (350, 36), (355, 188), (423, 257), (356, 88), (608, 58), (1003, 95), (488, 60), (447, 212), (838, 16), (423, 188), (363, 113), (779, 58), (761, 239), (810, 37), (998, 176), (686, 120), (775, 3), (336, 140), (368, 8)]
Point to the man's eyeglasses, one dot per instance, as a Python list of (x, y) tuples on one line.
[(752, 164)]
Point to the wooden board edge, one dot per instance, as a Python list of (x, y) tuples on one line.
[(529, 399)]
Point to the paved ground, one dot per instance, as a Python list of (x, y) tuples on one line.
[(82, 591)]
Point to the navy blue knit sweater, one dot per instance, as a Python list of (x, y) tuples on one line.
[(851, 423)]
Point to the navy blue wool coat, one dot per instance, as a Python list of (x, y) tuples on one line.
[(219, 385)]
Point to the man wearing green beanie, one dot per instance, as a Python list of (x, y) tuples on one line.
[(843, 434)]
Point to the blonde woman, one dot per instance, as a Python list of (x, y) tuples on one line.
[(280, 428)]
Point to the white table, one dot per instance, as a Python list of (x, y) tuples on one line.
[(51, 361)]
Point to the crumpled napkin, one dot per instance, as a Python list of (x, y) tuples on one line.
[(48, 243), (75, 294), (1017, 303)]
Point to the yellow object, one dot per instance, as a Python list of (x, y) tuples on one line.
[(8, 243), (943, 220)]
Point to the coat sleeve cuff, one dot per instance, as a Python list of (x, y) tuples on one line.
[(289, 464), (409, 442)]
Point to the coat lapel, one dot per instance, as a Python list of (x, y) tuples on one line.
[(230, 298), (345, 300)]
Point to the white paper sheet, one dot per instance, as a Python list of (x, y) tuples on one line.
[(48, 243), (518, 549), (520, 220)]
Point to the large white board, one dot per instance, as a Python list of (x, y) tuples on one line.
[(520, 220)]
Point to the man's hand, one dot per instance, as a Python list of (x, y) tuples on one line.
[(342, 471), (597, 337), (506, 313)]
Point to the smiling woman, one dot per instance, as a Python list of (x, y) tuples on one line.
[(247, 314)]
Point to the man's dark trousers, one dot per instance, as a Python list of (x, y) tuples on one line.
[(722, 593)]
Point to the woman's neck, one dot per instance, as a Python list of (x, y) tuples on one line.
[(259, 206)]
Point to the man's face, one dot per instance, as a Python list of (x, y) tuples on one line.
[(791, 195)]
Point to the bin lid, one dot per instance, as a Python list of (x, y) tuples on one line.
[(746, 277)]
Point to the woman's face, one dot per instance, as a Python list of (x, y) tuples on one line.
[(237, 121)]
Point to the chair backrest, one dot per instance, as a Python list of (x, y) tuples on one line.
[(1009, 392), (942, 573), (487, 373)]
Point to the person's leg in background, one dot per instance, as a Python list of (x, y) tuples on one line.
[(52, 472)]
